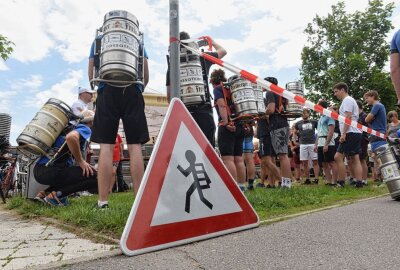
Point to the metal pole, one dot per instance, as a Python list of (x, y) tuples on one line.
[(174, 48)]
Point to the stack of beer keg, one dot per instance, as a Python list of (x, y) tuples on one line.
[(5, 126)]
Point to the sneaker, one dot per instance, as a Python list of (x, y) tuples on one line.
[(315, 182), (103, 207), (352, 182), (307, 182), (269, 186), (359, 184), (84, 193), (242, 187), (260, 185), (341, 183), (250, 185), (288, 183), (40, 197), (53, 200)]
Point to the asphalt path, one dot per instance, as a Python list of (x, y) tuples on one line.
[(363, 235)]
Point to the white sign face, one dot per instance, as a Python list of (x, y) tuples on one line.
[(172, 205)]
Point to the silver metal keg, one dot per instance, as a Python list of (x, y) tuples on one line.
[(120, 50), (258, 93), (41, 133), (191, 77), (243, 98), (5, 126), (390, 170), (296, 88)]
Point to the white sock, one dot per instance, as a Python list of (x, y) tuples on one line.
[(287, 181), (101, 203)]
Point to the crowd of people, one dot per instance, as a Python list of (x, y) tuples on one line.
[(284, 153)]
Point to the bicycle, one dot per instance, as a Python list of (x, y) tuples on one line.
[(13, 176)]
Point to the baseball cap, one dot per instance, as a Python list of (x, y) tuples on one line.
[(81, 90)]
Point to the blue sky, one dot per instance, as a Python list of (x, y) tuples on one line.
[(53, 39)]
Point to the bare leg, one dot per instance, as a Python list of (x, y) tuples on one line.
[(230, 165), (136, 165), (240, 169), (105, 170)]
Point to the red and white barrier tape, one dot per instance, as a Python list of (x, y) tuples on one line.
[(282, 92)]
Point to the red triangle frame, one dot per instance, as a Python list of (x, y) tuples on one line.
[(139, 237)]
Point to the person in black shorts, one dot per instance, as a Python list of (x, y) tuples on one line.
[(364, 145), (325, 144), (274, 139), (202, 113), (230, 134), (115, 103)]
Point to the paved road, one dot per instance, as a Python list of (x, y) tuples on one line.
[(364, 235)]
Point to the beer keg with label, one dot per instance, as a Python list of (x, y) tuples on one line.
[(243, 98), (191, 77), (41, 133), (120, 50), (297, 88), (259, 95), (390, 170)]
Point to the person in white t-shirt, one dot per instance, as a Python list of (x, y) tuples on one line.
[(84, 98), (350, 139)]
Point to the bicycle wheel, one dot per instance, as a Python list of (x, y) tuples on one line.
[(7, 184)]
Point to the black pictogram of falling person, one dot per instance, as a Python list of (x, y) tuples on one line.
[(201, 179)]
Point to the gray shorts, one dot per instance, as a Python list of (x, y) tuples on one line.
[(279, 140)]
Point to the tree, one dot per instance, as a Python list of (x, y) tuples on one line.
[(350, 48), (5, 47)]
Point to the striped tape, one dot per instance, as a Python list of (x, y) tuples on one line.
[(287, 94)]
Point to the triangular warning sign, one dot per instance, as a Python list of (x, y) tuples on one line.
[(186, 193)]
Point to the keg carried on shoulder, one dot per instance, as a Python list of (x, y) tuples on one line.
[(243, 98), (258, 93), (41, 133), (121, 56), (390, 170), (297, 88), (191, 77)]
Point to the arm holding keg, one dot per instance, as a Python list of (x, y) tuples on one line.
[(90, 72), (72, 140)]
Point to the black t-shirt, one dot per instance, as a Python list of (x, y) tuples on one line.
[(276, 120), (205, 66), (306, 130), (361, 120)]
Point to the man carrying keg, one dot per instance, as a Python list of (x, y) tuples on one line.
[(60, 174), (230, 134), (119, 97), (199, 106), (350, 138), (274, 139), (395, 64), (84, 98)]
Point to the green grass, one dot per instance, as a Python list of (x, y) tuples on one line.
[(268, 203)]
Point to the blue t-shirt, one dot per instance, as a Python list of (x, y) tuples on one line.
[(103, 84), (323, 130), (84, 132), (218, 93), (378, 124), (395, 43)]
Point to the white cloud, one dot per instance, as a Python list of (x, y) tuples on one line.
[(3, 66), (64, 91), (30, 84)]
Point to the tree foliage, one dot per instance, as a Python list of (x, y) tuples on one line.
[(350, 48), (5, 47)]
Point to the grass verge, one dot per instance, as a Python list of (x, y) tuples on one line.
[(268, 203)]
